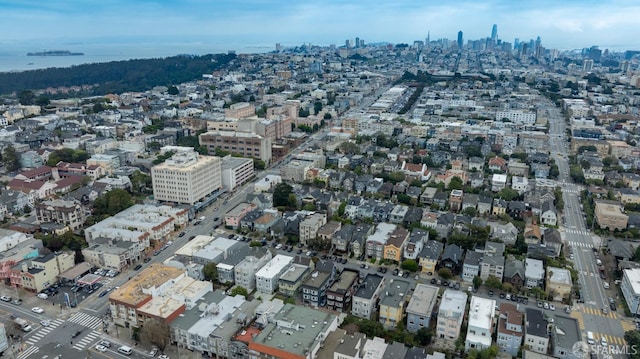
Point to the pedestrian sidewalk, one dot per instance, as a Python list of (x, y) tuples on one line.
[(122, 336)]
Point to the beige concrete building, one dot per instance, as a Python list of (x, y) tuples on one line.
[(186, 177), (69, 213), (310, 226), (610, 215), (240, 110), (41, 272), (558, 282), (236, 172), (246, 144)]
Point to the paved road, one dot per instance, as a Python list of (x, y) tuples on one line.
[(590, 314)]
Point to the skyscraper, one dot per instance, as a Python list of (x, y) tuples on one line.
[(494, 33), (460, 43)]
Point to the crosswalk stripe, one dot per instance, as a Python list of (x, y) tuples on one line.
[(86, 340), (27, 352), (86, 320)]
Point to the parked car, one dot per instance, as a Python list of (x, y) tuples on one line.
[(5, 298), (16, 302), (37, 310), (103, 293), (181, 234), (147, 260), (101, 348), (137, 267)]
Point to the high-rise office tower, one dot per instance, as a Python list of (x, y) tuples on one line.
[(357, 42), (460, 43), (494, 33)]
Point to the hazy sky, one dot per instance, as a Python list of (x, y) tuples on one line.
[(563, 24)]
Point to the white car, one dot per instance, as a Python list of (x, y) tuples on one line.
[(552, 307), (44, 323), (101, 348), (43, 295), (37, 310)]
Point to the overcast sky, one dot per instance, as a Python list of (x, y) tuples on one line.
[(562, 24)]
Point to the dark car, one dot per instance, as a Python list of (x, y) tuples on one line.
[(231, 236), (103, 293), (137, 267), (612, 306), (192, 237), (216, 219), (147, 260), (181, 234), (290, 249), (502, 296), (76, 333), (405, 274), (491, 293), (433, 281), (395, 271)]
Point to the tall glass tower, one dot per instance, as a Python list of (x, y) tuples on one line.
[(460, 43), (494, 33)]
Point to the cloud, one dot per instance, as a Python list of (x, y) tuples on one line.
[(569, 23)]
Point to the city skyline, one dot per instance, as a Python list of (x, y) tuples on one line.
[(572, 24)]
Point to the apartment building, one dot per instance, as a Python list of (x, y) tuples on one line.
[(40, 272), (291, 280), (536, 335), (314, 289), (376, 242), (249, 145), (139, 290), (492, 263), (69, 213), (267, 277), (310, 225), (394, 248), (186, 177), (340, 294), (610, 215), (245, 271), (481, 323), (393, 301), (365, 301), (630, 288), (510, 329), (453, 306), (235, 172), (421, 306)]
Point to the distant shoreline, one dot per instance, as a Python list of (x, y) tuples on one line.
[(55, 53)]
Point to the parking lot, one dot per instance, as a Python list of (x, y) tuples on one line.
[(71, 294)]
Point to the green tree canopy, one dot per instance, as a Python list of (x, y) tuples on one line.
[(281, 194), (409, 265), (173, 90), (67, 155), (113, 202), (10, 158), (210, 272), (239, 290), (445, 273)]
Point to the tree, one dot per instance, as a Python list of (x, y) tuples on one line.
[(259, 164), (10, 158), (327, 116), (455, 183), (172, 90), (67, 155), (140, 182), (445, 273), (317, 107), (156, 332), (409, 265), (632, 337), (477, 282), (43, 101), (281, 194), (343, 206), (26, 97), (113, 202), (239, 290), (493, 282), (423, 336), (508, 194), (210, 272)]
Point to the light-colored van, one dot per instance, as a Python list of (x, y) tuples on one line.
[(590, 338), (125, 350)]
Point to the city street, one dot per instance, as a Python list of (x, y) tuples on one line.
[(590, 315)]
